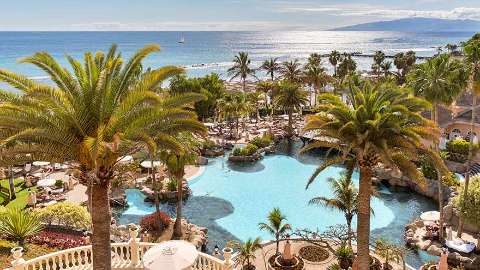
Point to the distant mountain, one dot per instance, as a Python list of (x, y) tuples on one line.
[(416, 25)]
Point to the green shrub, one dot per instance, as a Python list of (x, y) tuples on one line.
[(459, 146), (261, 142), (248, 150), (68, 214), (172, 185), (208, 144), (17, 224), (58, 183)]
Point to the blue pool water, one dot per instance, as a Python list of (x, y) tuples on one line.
[(232, 199)]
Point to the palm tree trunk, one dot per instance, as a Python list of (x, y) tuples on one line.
[(439, 180), (363, 217), (11, 184), (243, 84), (469, 163), (177, 227), (277, 246), (101, 218), (155, 191), (349, 228)]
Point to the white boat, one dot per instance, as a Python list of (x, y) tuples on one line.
[(182, 40)]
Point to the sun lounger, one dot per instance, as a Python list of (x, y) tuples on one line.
[(459, 245)]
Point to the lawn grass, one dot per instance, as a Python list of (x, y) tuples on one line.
[(21, 191)]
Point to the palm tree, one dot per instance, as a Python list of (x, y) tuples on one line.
[(404, 62), (452, 48), (380, 123), (275, 226), (314, 59), (253, 102), (378, 59), (334, 58), (316, 76), (291, 97), (241, 68), (246, 252), (231, 107), (91, 117), (345, 200), (472, 53), (19, 224), (271, 66), (291, 71), (347, 66), (385, 66), (439, 80), (265, 87), (175, 163)]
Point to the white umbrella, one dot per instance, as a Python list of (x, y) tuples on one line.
[(171, 255), (147, 164), (125, 159), (430, 216), (209, 124), (40, 163), (46, 182)]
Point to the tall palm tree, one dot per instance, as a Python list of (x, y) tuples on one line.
[(265, 87), (316, 76), (291, 71), (314, 59), (231, 107), (241, 68), (271, 66), (472, 53), (246, 252), (404, 63), (345, 199), (379, 124), (275, 226), (334, 58), (439, 80), (378, 59), (91, 117), (347, 66), (385, 66), (291, 97), (175, 163)]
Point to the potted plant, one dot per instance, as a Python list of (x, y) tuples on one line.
[(246, 253), (344, 256)]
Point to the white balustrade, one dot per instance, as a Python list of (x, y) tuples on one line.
[(124, 256)]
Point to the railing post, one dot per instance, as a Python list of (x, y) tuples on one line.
[(227, 255), (18, 262), (133, 243)]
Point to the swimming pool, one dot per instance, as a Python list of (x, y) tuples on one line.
[(231, 199)]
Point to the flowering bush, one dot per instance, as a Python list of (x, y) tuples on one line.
[(150, 222), (57, 240)]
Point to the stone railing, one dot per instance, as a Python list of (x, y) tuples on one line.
[(126, 255)]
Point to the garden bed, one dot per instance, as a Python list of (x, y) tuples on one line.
[(314, 254), (272, 265)]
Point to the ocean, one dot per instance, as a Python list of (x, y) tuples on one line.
[(206, 52)]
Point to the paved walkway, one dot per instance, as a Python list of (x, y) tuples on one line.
[(77, 194)]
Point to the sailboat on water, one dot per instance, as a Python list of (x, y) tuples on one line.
[(182, 40)]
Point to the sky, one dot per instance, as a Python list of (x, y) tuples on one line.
[(219, 15)]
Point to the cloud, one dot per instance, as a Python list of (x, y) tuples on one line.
[(359, 10)]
